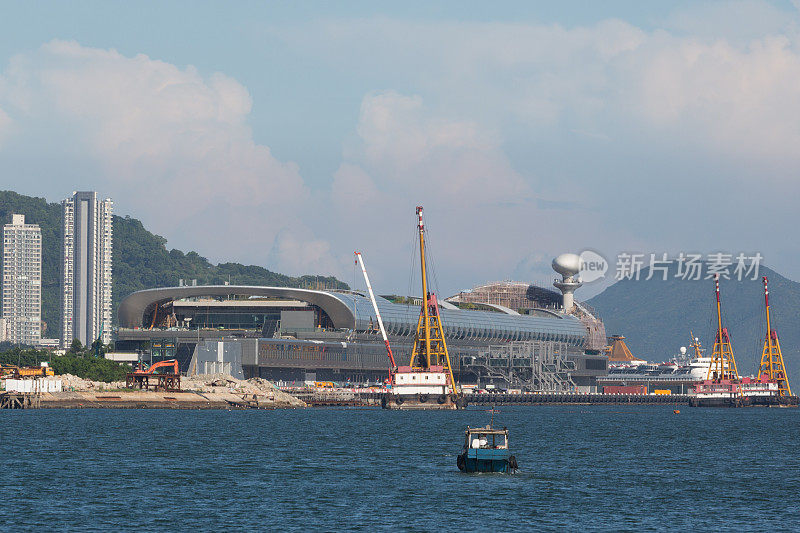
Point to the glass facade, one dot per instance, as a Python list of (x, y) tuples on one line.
[(467, 325), (233, 318)]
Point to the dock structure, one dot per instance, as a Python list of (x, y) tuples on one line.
[(367, 399), (578, 398), (156, 382), (20, 400)]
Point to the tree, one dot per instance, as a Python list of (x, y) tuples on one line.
[(98, 348), (76, 346)]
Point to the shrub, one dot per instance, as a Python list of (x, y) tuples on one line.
[(89, 367)]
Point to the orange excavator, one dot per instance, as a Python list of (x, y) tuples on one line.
[(167, 380)]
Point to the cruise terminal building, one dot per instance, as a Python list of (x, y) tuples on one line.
[(295, 335)]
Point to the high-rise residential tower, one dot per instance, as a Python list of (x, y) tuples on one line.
[(86, 285), (22, 281)]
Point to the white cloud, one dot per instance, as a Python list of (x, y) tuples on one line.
[(411, 149), (734, 100), (722, 91), (487, 125), (5, 125), (172, 146), (634, 125), (297, 250), (477, 205)]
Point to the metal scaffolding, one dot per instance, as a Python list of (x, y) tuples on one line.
[(533, 366)]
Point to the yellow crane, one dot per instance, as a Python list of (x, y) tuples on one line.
[(430, 348), (772, 358), (723, 363)]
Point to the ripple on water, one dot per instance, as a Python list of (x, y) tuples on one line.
[(601, 468)]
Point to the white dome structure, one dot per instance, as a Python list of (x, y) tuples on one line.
[(568, 265)]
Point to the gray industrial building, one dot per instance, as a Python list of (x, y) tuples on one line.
[(287, 334)]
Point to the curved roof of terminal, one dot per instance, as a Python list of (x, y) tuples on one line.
[(402, 319), (348, 310)]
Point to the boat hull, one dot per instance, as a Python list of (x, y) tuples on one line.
[(419, 402), (745, 401), (480, 460), (719, 402)]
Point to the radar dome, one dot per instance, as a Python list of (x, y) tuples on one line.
[(567, 264), (683, 350)]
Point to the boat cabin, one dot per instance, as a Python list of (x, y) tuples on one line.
[(486, 439)]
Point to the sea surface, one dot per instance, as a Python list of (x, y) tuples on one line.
[(581, 468)]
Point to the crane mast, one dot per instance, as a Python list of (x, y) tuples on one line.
[(430, 348), (723, 363), (771, 357), (377, 312)]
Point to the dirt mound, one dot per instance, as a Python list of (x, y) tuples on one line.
[(74, 383), (255, 388)]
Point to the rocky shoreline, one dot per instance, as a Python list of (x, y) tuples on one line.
[(216, 391)]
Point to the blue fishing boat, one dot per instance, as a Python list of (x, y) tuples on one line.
[(486, 450)]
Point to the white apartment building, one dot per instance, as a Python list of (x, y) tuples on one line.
[(22, 281), (87, 266)]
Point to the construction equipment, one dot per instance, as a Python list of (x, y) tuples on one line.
[(34, 372), (427, 382), (772, 359), (393, 368), (145, 379), (430, 348), (723, 363), (7, 371), (21, 372)]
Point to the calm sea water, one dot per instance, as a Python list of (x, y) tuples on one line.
[(605, 468)]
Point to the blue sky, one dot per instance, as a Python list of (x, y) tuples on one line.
[(289, 134)]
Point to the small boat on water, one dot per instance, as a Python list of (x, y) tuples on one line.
[(486, 450)]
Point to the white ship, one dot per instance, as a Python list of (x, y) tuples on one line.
[(679, 374)]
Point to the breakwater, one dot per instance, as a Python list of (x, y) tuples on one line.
[(365, 399), (140, 400)]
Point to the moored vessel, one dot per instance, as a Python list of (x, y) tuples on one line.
[(486, 449), (723, 387), (427, 382)]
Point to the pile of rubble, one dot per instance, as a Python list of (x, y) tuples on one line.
[(74, 383), (256, 388)]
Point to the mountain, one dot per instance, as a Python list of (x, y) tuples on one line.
[(141, 260), (656, 316)]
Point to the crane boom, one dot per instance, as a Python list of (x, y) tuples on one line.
[(377, 312)]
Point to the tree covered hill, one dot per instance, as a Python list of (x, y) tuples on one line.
[(656, 316), (141, 260)]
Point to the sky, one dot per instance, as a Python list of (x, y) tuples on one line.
[(290, 134)]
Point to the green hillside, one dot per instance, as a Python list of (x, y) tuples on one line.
[(141, 260), (656, 316)]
